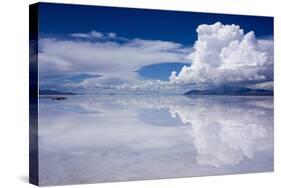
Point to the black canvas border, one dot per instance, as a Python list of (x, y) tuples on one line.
[(33, 95)]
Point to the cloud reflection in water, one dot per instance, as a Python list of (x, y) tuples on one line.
[(116, 138)]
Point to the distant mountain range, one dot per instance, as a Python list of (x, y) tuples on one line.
[(54, 92), (229, 90), (223, 90)]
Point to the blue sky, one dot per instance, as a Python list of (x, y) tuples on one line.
[(169, 35), (62, 19)]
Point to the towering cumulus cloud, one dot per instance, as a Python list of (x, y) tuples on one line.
[(224, 53)]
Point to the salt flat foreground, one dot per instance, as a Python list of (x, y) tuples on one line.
[(87, 139)]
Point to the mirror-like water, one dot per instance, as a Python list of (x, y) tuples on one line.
[(86, 139)]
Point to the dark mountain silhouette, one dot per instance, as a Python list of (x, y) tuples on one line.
[(230, 90), (54, 92)]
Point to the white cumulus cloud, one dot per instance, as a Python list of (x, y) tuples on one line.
[(224, 53)]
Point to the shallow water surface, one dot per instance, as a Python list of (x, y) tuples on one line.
[(87, 139)]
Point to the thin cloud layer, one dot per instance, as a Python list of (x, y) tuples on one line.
[(94, 35), (224, 53), (110, 59)]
